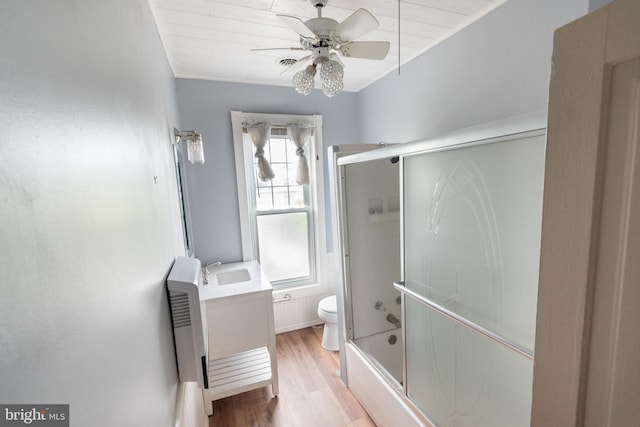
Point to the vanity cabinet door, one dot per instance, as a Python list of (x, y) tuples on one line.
[(239, 323)]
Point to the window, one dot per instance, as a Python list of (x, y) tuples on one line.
[(280, 219)]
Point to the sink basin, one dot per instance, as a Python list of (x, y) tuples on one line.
[(235, 279), (233, 276)]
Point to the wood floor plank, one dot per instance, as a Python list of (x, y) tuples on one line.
[(327, 364), (311, 393)]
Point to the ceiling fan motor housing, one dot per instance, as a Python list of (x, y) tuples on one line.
[(320, 55), (324, 38)]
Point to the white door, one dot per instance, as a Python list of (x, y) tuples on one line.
[(587, 366)]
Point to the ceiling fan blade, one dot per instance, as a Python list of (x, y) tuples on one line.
[(277, 48), (297, 25), (365, 50), (356, 25), (299, 65)]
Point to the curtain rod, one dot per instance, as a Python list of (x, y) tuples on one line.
[(281, 125), (276, 128)]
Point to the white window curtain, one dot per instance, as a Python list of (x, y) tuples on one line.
[(260, 133), (299, 136)]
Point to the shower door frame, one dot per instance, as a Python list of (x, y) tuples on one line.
[(374, 152), (336, 180)]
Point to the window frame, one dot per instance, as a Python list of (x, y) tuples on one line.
[(246, 192), (309, 210)]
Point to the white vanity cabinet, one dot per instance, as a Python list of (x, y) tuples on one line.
[(242, 344)]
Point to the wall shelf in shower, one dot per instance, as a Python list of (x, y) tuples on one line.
[(384, 217)]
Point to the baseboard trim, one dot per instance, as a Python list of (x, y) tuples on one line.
[(289, 328), (190, 406)]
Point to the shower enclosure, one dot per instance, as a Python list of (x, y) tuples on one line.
[(440, 276)]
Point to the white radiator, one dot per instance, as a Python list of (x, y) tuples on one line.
[(189, 320)]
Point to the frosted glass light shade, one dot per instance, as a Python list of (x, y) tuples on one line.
[(331, 74), (195, 151), (303, 80)]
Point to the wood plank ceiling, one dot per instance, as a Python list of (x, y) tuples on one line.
[(212, 39)]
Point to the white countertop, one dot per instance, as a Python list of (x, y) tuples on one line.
[(257, 283)]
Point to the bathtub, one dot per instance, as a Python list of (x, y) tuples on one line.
[(379, 390), (384, 355)]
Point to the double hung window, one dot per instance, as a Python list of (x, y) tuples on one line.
[(279, 215)]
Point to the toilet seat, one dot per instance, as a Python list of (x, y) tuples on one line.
[(328, 309), (329, 304)]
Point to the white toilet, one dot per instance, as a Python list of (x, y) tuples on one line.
[(328, 311)]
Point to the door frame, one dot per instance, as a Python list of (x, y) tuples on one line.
[(584, 55)]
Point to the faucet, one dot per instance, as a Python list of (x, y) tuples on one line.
[(205, 270), (393, 319)]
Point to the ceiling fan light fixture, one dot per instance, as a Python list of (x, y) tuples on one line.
[(325, 38), (303, 80)]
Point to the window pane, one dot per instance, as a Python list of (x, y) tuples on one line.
[(291, 150), (297, 195), (284, 245), (281, 172), (281, 198), (277, 148), (260, 183), (264, 199)]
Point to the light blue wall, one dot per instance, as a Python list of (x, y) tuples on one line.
[(205, 106), (496, 68), (87, 236)]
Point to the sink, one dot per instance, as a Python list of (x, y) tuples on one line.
[(233, 276), (232, 280)]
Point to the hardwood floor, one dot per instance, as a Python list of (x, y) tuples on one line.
[(311, 393)]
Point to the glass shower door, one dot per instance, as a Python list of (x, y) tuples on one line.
[(471, 228)]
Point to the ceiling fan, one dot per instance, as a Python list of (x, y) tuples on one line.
[(324, 38)]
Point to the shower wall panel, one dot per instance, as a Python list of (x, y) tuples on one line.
[(373, 228)]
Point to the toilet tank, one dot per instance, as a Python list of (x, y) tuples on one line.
[(189, 320)]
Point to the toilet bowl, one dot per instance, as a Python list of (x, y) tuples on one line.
[(328, 311)]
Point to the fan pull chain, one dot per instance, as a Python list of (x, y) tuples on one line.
[(398, 37)]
